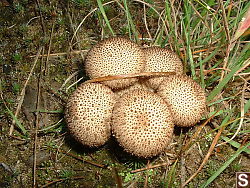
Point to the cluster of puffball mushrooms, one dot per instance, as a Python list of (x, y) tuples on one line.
[(140, 112)]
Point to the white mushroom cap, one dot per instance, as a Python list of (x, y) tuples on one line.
[(185, 97), (161, 60), (115, 56), (88, 113), (142, 123)]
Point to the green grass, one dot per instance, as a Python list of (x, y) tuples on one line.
[(130, 24), (204, 27), (11, 114), (171, 176), (225, 165), (105, 16)]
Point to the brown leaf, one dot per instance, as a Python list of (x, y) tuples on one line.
[(243, 26)]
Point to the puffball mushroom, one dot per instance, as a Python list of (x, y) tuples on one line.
[(142, 123), (115, 56), (161, 60), (185, 97), (137, 85), (88, 113)]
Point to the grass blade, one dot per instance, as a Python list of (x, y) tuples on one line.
[(235, 144), (171, 176), (187, 29), (131, 25), (209, 57), (18, 123), (100, 5), (189, 52), (202, 74), (221, 85), (225, 165)]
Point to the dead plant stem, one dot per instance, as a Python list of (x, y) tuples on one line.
[(37, 123), (216, 138), (22, 94)]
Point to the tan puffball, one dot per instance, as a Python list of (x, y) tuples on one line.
[(88, 113), (161, 60), (185, 97), (142, 123), (137, 85), (115, 56)]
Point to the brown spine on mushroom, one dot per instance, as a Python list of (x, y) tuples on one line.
[(142, 123), (185, 97), (88, 113), (137, 85), (115, 56), (161, 60)]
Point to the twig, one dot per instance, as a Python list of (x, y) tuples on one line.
[(216, 138), (69, 78), (60, 180), (79, 158), (57, 95), (66, 90), (146, 179), (202, 19), (173, 10), (244, 66), (37, 124), (41, 17), (118, 178), (50, 127), (160, 16), (18, 138), (76, 36), (50, 41), (27, 24), (150, 167), (241, 118), (145, 21), (214, 69), (23, 91), (61, 53), (146, 182), (134, 75), (83, 20), (230, 45), (183, 170), (196, 134), (224, 16)]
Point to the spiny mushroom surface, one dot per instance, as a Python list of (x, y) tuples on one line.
[(161, 60), (88, 113), (185, 97), (114, 56), (142, 123), (137, 85)]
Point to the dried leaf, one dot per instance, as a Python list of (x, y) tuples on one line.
[(243, 26)]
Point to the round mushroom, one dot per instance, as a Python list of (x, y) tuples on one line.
[(142, 123), (88, 113), (161, 60), (185, 97), (137, 85), (115, 56)]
